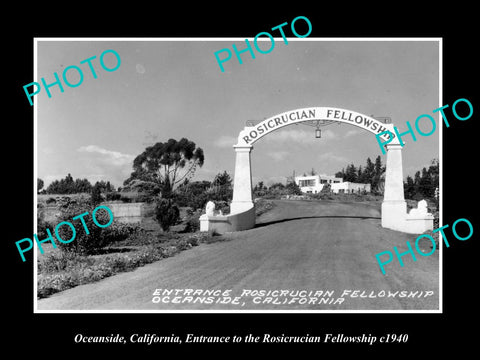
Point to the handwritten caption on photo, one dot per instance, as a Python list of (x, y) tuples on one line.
[(277, 297)]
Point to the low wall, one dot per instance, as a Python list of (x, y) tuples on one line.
[(227, 223), (130, 213), (50, 214), (395, 217), (127, 213)]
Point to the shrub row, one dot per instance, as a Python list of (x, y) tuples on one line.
[(83, 243), (60, 271)]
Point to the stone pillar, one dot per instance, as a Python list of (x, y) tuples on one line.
[(394, 207), (242, 182)]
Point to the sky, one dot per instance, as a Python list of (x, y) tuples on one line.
[(172, 89)]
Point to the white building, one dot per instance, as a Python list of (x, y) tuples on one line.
[(350, 187), (314, 184)]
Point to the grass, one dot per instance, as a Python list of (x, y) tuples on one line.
[(59, 271), (263, 205)]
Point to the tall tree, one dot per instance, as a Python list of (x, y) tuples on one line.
[(39, 184), (222, 187), (69, 186), (434, 171), (96, 195), (222, 179), (350, 173), (416, 179), (424, 183), (259, 186), (167, 164), (82, 186), (377, 173), (368, 172), (340, 174), (426, 187), (360, 177), (292, 188), (277, 185), (409, 188)]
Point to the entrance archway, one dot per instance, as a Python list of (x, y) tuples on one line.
[(242, 208)]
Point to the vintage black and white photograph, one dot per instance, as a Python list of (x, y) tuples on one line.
[(238, 174)]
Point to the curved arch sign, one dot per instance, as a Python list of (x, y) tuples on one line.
[(251, 134)]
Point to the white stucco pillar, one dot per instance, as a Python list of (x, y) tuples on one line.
[(242, 182), (394, 207)]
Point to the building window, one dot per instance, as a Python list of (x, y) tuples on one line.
[(304, 183)]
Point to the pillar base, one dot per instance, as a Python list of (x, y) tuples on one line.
[(395, 217), (417, 225), (235, 221), (237, 207), (394, 213)]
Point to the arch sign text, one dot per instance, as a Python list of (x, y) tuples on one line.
[(253, 133)]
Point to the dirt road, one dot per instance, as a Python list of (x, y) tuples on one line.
[(316, 255)]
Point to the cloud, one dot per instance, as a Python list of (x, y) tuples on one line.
[(114, 158), (298, 135), (225, 141), (332, 157), (353, 132), (140, 68), (278, 155), (98, 163)]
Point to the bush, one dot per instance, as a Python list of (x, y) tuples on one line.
[(293, 189), (262, 206), (222, 193), (166, 213), (112, 196), (198, 193), (147, 198), (96, 196), (119, 232), (322, 196), (83, 243), (222, 206), (195, 201), (42, 226), (192, 222), (56, 262)]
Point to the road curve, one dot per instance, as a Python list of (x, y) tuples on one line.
[(310, 255)]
